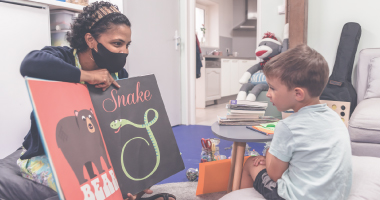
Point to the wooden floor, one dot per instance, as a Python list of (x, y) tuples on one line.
[(208, 115)]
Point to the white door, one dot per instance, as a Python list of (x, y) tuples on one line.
[(153, 48)]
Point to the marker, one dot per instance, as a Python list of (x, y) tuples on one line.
[(248, 127)]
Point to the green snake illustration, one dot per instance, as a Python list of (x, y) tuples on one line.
[(117, 124)]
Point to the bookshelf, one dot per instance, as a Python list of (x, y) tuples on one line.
[(56, 5)]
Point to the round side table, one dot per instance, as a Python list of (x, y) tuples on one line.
[(240, 135)]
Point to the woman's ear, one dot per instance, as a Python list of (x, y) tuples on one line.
[(299, 94), (90, 40)]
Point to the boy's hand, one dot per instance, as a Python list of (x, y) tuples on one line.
[(259, 160)]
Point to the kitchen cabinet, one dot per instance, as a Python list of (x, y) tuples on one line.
[(220, 78), (232, 71), (59, 5), (25, 23), (234, 77), (244, 65), (225, 77), (208, 86), (213, 88)]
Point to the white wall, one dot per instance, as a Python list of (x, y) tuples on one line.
[(213, 32), (188, 59), (270, 19), (326, 19), (225, 17), (119, 3)]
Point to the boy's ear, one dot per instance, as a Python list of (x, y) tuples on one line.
[(299, 93)]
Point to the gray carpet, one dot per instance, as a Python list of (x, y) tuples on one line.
[(184, 191)]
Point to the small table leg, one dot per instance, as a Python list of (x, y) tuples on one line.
[(232, 169), (238, 165)]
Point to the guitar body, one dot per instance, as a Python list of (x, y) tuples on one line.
[(339, 86), (340, 93)]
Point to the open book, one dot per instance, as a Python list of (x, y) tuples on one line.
[(103, 145)]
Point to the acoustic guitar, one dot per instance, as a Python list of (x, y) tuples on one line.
[(339, 86)]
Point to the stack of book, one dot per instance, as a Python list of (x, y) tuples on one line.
[(243, 112)]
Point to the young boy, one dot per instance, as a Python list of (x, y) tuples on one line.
[(310, 154)]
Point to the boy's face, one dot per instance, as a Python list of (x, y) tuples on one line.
[(280, 95)]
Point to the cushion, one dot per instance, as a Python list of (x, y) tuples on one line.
[(365, 178), (243, 194), (365, 149), (364, 124), (365, 182), (365, 56), (373, 90), (14, 186)]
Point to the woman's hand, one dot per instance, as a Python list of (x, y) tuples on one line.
[(101, 78), (138, 196), (259, 160)]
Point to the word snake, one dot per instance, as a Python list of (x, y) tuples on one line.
[(117, 124)]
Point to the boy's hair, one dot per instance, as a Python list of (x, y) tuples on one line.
[(301, 66)]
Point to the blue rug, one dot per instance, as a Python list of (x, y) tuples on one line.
[(189, 143)]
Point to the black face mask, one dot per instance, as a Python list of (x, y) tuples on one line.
[(106, 59)]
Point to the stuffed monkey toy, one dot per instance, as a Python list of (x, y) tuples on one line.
[(253, 79)]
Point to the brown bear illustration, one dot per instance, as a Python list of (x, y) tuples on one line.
[(80, 141)]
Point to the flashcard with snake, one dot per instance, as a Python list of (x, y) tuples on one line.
[(137, 132), (103, 145)]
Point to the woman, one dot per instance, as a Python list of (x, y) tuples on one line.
[(99, 38)]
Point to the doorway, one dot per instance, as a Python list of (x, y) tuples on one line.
[(157, 48), (228, 47)]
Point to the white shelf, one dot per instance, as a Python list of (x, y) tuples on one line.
[(60, 31), (212, 47), (55, 5)]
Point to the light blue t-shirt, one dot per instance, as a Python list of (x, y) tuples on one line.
[(317, 146)]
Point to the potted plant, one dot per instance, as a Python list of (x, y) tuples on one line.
[(203, 29)]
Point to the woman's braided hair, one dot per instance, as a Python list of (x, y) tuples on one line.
[(82, 24)]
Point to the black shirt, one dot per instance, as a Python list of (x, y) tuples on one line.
[(51, 63)]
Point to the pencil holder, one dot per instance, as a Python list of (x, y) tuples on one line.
[(205, 155)]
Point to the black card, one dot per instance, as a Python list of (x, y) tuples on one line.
[(137, 133)]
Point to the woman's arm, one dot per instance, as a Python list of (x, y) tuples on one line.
[(57, 63), (52, 64)]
